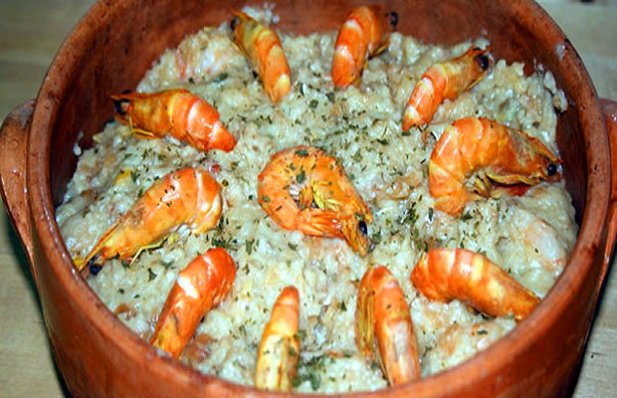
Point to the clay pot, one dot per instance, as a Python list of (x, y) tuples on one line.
[(117, 42)]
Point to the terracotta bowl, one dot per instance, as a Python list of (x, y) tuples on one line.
[(109, 51)]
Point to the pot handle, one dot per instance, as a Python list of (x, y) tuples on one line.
[(610, 115), (13, 150)]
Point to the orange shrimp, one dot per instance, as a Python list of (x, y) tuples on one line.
[(183, 115), (446, 80), (305, 189), (495, 153), (383, 314), (279, 349), (364, 34), (188, 196), (201, 286), (448, 274), (263, 48)]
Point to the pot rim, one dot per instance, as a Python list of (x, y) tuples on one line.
[(589, 240)]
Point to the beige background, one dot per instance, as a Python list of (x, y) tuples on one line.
[(30, 33)]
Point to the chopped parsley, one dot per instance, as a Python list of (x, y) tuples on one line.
[(151, 275), (301, 177), (221, 77)]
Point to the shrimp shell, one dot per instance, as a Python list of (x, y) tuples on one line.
[(188, 196), (446, 80), (494, 152), (382, 314), (183, 115), (364, 34), (263, 48), (448, 274), (303, 188), (279, 349), (200, 286)]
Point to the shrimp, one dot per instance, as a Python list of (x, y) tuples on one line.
[(305, 189), (446, 80), (494, 153), (178, 112), (447, 274), (383, 314), (364, 34), (279, 349), (201, 286), (263, 48), (209, 54), (188, 196)]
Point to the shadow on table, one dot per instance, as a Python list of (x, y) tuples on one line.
[(22, 263)]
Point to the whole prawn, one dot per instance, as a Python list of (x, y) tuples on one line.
[(303, 188), (495, 153), (279, 349), (188, 196), (263, 48), (446, 80), (177, 112), (447, 274), (382, 314), (364, 34), (200, 286)]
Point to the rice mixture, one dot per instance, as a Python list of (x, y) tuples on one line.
[(529, 236)]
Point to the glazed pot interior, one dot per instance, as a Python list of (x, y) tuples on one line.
[(112, 53)]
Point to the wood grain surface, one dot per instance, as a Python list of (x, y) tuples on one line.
[(31, 32)]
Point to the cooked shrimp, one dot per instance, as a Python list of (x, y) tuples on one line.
[(533, 247), (495, 153), (178, 112), (208, 54), (279, 350), (263, 48), (188, 196), (383, 314), (200, 286), (305, 189), (448, 274), (364, 34), (446, 80)]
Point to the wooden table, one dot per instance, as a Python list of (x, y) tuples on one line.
[(30, 33)]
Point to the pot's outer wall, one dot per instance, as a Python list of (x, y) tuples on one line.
[(118, 41)]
